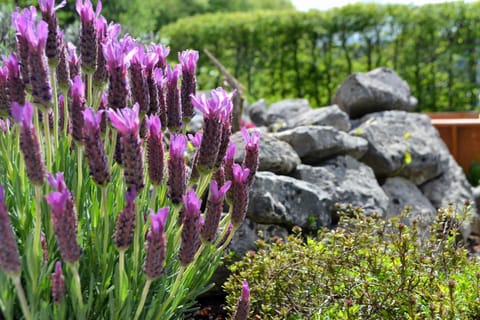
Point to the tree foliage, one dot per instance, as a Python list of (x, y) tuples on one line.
[(308, 54)]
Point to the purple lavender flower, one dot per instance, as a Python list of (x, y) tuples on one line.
[(214, 210), (58, 284), (94, 147), (57, 182), (138, 82), (29, 144), (62, 70), (100, 74), (150, 60), (43, 242), (127, 123), (9, 256), (155, 150), (73, 61), (213, 110), (77, 106), (103, 106), (16, 88), (64, 220), (5, 102), (125, 225), (21, 22), (88, 36), (61, 114), (162, 53), (50, 17), (174, 110), (117, 56), (176, 168), (161, 82), (191, 227), (240, 194), (37, 64), (243, 304), (252, 150), (156, 245), (188, 60)]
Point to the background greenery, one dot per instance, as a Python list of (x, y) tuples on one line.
[(435, 48)]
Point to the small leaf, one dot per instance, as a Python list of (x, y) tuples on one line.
[(407, 135), (407, 158)]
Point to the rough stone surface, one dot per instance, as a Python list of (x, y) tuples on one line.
[(316, 143), (347, 180), (281, 113), (326, 116), (451, 187), (275, 155), (378, 90), (393, 135), (476, 195), (258, 112), (287, 202), (244, 241), (404, 194)]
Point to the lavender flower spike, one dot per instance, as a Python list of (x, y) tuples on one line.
[(188, 60), (62, 70), (138, 82), (176, 168), (64, 223), (88, 36), (174, 110), (127, 123), (125, 225), (9, 256), (39, 75), (252, 150), (21, 23), (156, 245), (16, 88), (214, 210), (155, 150), (73, 61), (191, 227), (94, 147), (77, 106), (213, 110), (50, 17), (29, 143), (243, 304), (240, 194), (5, 102), (161, 82), (162, 53), (58, 284)]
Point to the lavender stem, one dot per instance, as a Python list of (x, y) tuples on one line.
[(21, 297), (146, 288), (48, 140), (106, 220)]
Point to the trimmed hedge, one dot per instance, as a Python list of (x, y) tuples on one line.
[(435, 48)]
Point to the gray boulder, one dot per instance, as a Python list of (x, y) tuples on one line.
[(378, 90), (326, 116), (275, 155), (347, 181), (316, 143), (281, 113), (405, 195), (258, 112), (248, 233), (287, 202), (450, 187), (395, 136)]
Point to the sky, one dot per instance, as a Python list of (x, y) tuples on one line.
[(305, 5)]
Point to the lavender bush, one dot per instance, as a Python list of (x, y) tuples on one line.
[(101, 212)]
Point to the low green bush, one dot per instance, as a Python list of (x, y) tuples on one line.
[(366, 268)]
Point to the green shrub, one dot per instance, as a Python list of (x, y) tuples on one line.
[(288, 54), (367, 268)]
